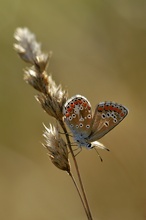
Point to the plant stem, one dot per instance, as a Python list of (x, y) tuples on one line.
[(88, 212), (78, 190)]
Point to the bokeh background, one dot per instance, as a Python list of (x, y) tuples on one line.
[(99, 51)]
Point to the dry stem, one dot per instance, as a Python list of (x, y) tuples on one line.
[(52, 99)]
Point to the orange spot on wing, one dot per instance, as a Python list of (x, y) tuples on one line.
[(110, 108), (106, 108), (114, 109), (84, 104), (67, 115), (100, 109), (69, 109), (119, 110), (122, 114), (72, 105)]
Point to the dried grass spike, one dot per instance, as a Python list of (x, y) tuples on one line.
[(27, 46), (57, 148)]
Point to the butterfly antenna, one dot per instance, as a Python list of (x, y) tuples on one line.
[(98, 154)]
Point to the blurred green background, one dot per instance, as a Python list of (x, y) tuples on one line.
[(99, 51)]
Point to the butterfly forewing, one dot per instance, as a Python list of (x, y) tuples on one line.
[(107, 115), (78, 115)]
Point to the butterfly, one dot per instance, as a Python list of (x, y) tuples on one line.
[(87, 128)]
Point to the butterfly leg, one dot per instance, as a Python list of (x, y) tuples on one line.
[(69, 134), (77, 148), (80, 149)]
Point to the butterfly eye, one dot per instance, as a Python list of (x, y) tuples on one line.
[(73, 115), (81, 125)]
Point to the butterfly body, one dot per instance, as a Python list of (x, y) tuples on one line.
[(87, 129)]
